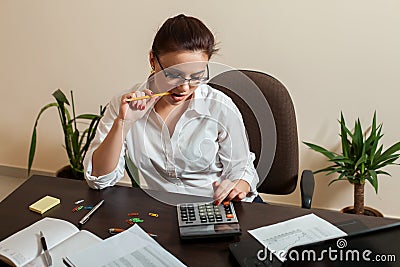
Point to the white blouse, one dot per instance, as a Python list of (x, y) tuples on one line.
[(209, 144)]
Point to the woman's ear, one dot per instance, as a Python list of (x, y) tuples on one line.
[(152, 60)]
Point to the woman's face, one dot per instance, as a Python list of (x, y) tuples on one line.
[(179, 73)]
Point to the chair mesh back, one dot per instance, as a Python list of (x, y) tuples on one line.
[(283, 174)]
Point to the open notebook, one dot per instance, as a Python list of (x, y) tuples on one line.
[(24, 248), (70, 246)]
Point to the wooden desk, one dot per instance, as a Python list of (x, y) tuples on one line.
[(119, 201)]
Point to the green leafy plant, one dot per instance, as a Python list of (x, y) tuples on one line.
[(76, 141), (361, 160)]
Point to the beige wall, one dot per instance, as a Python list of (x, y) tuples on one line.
[(332, 55)]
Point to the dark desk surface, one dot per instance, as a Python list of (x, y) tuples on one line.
[(119, 201)]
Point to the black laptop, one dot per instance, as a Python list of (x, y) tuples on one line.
[(364, 247)]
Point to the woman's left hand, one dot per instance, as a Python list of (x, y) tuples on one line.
[(230, 190)]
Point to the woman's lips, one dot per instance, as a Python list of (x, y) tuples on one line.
[(178, 97)]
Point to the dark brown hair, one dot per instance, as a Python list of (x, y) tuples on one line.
[(183, 33)]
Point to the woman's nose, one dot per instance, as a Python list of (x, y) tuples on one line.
[(184, 86)]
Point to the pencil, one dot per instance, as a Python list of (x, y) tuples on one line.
[(115, 230), (147, 96)]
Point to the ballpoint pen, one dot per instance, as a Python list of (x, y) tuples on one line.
[(87, 216), (47, 256)]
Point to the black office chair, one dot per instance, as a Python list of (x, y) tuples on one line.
[(132, 171), (265, 102)]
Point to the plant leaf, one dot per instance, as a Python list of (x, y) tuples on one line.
[(361, 160), (373, 179), (60, 97), (389, 161), (375, 141), (383, 172), (321, 150), (343, 135), (393, 149), (88, 116), (32, 148)]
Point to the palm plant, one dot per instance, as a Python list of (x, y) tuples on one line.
[(361, 160), (76, 141)]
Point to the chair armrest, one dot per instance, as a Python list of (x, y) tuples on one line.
[(306, 188)]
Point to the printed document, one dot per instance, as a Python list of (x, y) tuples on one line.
[(133, 247), (280, 237)]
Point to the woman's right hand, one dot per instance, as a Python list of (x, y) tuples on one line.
[(134, 110)]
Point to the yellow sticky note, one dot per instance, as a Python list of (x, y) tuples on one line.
[(44, 204)]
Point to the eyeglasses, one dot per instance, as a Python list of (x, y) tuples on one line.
[(177, 80)]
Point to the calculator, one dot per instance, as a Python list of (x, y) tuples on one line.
[(206, 220)]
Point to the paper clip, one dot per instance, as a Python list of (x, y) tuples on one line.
[(79, 201), (153, 214), (77, 208), (129, 222), (133, 214), (152, 235), (136, 220)]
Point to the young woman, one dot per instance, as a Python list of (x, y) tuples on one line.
[(191, 140)]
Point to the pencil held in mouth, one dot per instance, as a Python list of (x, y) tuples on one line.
[(147, 96)]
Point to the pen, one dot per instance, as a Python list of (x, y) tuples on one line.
[(147, 96), (47, 256), (87, 216)]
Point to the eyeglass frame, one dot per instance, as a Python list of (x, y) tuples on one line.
[(182, 79)]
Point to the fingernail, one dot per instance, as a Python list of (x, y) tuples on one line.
[(142, 108), (152, 93)]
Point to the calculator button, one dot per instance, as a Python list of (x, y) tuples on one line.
[(206, 214)]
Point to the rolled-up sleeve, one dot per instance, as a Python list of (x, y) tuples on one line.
[(104, 127)]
